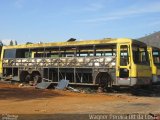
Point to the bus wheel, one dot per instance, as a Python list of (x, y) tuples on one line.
[(25, 76), (104, 80), (28, 78), (36, 77)]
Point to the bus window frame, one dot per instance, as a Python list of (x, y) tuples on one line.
[(140, 54), (4, 55), (156, 50)]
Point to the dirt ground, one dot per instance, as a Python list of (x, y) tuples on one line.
[(22, 100)]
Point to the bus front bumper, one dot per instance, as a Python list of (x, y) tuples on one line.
[(133, 81)]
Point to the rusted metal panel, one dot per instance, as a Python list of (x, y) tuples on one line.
[(70, 62)]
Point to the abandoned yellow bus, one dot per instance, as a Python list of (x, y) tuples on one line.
[(154, 57), (105, 62)]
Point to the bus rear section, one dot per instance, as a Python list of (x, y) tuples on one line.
[(154, 56)]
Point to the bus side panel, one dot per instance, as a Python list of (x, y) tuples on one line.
[(142, 75), (143, 71)]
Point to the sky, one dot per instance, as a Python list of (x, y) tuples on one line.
[(58, 20)]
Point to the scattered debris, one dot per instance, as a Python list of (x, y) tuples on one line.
[(73, 89), (62, 84), (15, 78), (4, 81), (46, 80), (43, 85), (24, 85), (7, 78), (31, 83), (100, 90), (20, 85)]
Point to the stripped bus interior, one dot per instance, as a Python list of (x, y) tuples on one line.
[(79, 74)]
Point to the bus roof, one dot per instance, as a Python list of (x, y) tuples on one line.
[(75, 43), (153, 48)]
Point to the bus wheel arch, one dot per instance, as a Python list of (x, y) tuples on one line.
[(104, 79), (37, 77), (25, 76)]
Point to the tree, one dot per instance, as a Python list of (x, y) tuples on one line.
[(11, 43), (1, 44), (28, 43), (16, 42)]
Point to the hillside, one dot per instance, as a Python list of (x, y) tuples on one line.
[(152, 39)]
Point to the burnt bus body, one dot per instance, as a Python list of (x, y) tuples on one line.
[(104, 62)]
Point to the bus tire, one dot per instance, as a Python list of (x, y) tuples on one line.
[(25, 76), (103, 79), (36, 77)]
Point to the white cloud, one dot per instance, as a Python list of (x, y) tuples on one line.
[(19, 3), (153, 7), (94, 7), (101, 19)]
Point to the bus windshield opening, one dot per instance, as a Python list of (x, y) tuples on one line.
[(140, 55), (156, 57)]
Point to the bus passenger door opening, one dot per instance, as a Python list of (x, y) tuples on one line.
[(124, 64)]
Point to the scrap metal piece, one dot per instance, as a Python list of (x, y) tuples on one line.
[(43, 85), (62, 84), (73, 89)]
